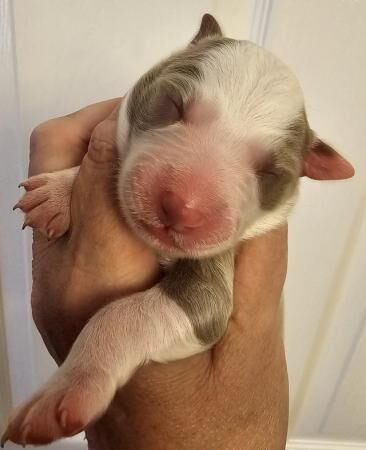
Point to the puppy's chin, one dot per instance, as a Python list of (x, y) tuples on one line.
[(172, 245)]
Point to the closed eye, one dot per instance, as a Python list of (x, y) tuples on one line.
[(268, 172)]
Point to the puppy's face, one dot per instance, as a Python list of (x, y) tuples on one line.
[(212, 143)]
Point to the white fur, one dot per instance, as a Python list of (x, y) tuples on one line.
[(257, 94), (115, 342), (249, 98), (130, 332), (123, 126), (239, 192)]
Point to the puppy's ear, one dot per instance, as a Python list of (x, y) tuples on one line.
[(322, 162), (209, 28)]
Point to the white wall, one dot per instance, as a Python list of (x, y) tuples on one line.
[(73, 52), (325, 43), (5, 400), (13, 261)]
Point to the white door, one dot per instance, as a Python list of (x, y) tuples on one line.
[(59, 56), (324, 41)]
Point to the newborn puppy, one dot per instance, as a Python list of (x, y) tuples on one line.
[(212, 142)]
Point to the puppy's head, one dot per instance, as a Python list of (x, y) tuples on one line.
[(212, 142)]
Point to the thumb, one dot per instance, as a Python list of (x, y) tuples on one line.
[(99, 237), (102, 144), (94, 190), (94, 186)]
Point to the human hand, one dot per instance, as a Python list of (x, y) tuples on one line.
[(76, 275), (234, 396)]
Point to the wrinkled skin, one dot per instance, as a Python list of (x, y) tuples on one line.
[(234, 396)]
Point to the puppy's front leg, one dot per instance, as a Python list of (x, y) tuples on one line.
[(46, 201), (184, 314), (203, 291)]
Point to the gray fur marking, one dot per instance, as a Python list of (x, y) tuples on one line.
[(176, 78), (279, 176), (209, 28), (203, 288)]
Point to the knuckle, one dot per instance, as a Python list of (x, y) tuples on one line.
[(102, 146), (39, 134), (35, 136), (40, 130)]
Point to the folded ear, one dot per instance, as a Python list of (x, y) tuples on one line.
[(209, 28), (322, 162)]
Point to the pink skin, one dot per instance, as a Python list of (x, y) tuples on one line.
[(179, 213), (182, 209), (185, 188)]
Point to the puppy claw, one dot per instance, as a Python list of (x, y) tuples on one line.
[(4, 438), (46, 202), (25, 434)]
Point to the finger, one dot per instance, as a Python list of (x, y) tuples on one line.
[(102, 146), (99, 236), (89, 117), (54, 145), (99, 168), (261, 267), (62, 142), (95, 185), (260, 272), (254, 329)]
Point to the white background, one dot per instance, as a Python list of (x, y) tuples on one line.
[(58, 56)]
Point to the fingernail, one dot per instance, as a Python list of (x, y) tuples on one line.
[(50, 234), (4, 439)]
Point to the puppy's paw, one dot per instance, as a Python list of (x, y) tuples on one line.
[(46, 202), (62, 409)]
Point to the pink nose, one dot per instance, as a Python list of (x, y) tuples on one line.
[(176, 213)]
